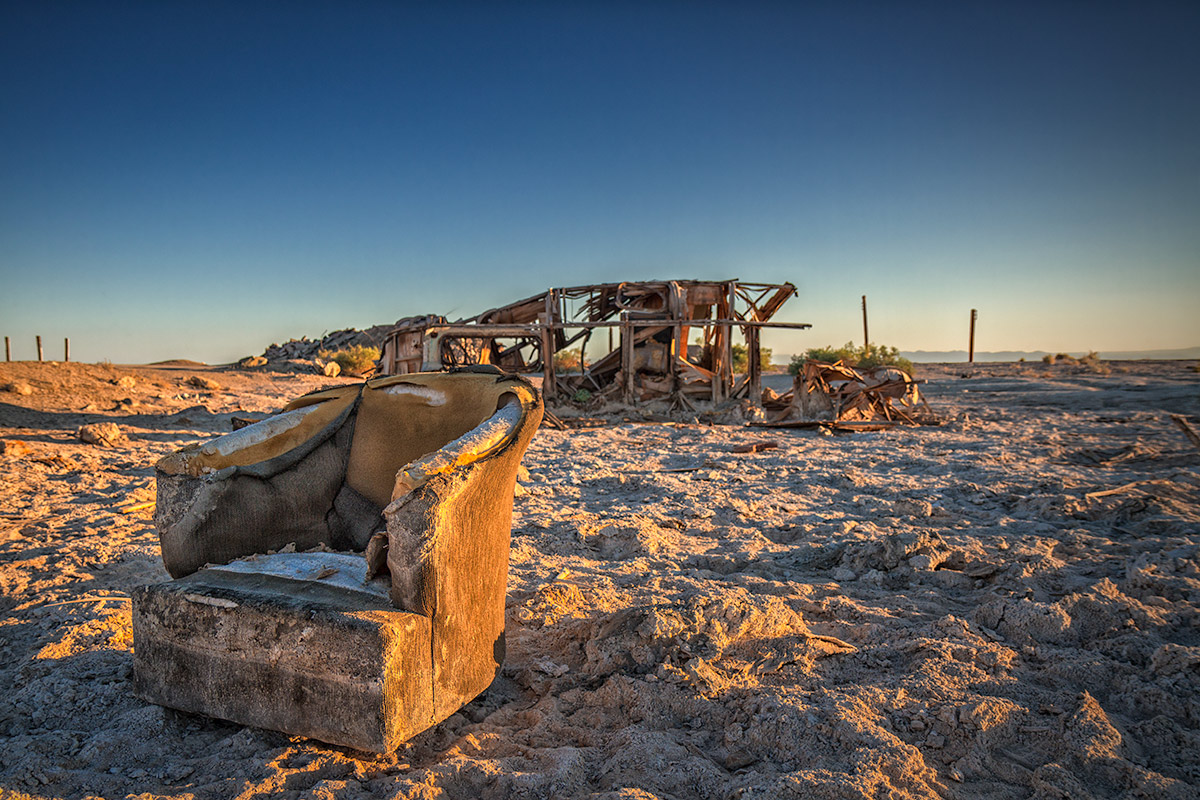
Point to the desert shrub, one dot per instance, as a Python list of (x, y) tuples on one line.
[(566, 360), (741, 358), (356, 360), (1093, 363), (873, 355)]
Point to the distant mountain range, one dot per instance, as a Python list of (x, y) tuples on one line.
[(1036, 355), (938, 356)]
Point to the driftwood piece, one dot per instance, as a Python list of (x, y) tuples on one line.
[(1187, 429), (756, 447)]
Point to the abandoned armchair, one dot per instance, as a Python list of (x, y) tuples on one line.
[(400, 490)]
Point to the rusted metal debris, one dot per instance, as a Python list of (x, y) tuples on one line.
[(846, 398), (646, 326)]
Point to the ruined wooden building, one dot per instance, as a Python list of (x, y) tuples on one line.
[(641, 329)]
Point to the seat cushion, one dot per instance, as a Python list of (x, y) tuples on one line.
[(294, 642)]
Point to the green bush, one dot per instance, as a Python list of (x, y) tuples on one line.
[(741, 358), (567, 360), (357, 360), (873, 355)]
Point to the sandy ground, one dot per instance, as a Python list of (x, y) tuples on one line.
[(1004, 606)]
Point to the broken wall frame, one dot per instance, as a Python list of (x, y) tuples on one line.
[(653, 320)]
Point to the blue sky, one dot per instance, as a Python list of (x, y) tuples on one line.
[(199, 180)]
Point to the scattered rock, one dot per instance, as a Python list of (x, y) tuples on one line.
[(981, 569), (18, 387), (331, 369), (101, 434), (252, 361), (14, 448), (201, 382), (125, 382)]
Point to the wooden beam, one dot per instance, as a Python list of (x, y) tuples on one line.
[(549, 387), (753, 367), (626, 358)]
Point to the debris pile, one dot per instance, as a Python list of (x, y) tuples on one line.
[(844, 397)]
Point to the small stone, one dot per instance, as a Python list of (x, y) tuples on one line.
[(922, 563), (980, 569), (14, 448), (201, 382), (844, 574), (101, 434), (252, 361), (18, 387), (935, 741), (331, 369), (125, 382)]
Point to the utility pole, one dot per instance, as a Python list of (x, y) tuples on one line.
[(971, 343), (866, 336)]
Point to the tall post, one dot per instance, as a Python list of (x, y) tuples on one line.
[(754, 366), (66, 350), (549, 384), (866, 336), (549, 389), (626, 358), (39, 348), (7, 349), (971, 343)]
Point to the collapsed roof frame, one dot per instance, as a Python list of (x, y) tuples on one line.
[(651, 360)]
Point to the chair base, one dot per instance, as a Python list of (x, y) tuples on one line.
[(293, 642)]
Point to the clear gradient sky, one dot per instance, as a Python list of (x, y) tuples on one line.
[(197, 180)]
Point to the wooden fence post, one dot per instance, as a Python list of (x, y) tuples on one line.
[(66, 350), (7, 350), (39, 348)]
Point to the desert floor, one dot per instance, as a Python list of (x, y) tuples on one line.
[(1002, 606)]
